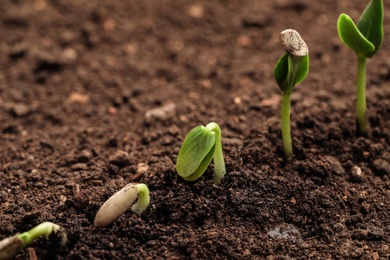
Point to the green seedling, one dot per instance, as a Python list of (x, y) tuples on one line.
[(118, 203), (290, 70), (10, 246), (365, 39), (201, 145)]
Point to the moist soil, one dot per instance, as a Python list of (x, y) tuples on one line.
[(97, 94)]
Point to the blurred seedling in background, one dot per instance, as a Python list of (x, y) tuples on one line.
[(201, 145), (121, 201), (365, 39), (290, 70), (10, 246)]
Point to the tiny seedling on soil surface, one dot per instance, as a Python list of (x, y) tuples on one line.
[(290, 69), (118, 203), (10, 246), (365, 39), (201, 145)]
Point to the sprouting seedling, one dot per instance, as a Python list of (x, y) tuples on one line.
[(365, 39), (10, 246), (118, 203), (201, 145), (290, 69)]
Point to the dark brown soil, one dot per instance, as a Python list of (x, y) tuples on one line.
[(78, 84)]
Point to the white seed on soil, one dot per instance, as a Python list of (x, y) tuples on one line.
[(293, 43), (116, 205), (9, 247), (161, 113), (357, 171)]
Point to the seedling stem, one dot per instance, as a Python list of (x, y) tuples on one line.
[(286, 133), (45, 228), (290, 70), (361, 96), (11, 245), (219, 162)]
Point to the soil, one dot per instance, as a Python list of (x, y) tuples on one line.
[(97, 94)]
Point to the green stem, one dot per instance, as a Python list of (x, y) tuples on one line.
[(45, 228), (361, 97), (219, 162), (286, 135)]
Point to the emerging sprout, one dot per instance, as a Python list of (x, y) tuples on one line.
[(10, 246), (201, 145), (118, 203), (290, 69), (365, 39)]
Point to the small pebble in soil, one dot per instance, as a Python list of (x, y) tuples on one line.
[(381, 167), (355, 219), (84, 156), (3, 196), (285, 231), (19, 109), (371, 233), (161, 113), (79, 167), (375, 233), (119, 158), (142, 168), (196, 11), (356, 174), (272, 101), (334, 165), (78, 98), (359, 234), (244, 41)]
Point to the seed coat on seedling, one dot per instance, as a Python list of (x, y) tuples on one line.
[(291, 69), (293, 43)]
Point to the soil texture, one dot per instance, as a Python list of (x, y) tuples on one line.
[(97, 94)]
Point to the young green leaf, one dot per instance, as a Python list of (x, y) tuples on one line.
[(351, 36), (196, 153), (371, 24), (118, 203), (201, 145), (281, 72), (290, 71)]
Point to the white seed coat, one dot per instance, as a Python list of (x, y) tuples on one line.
[(293, 43), (116, 205), (10, 246)]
